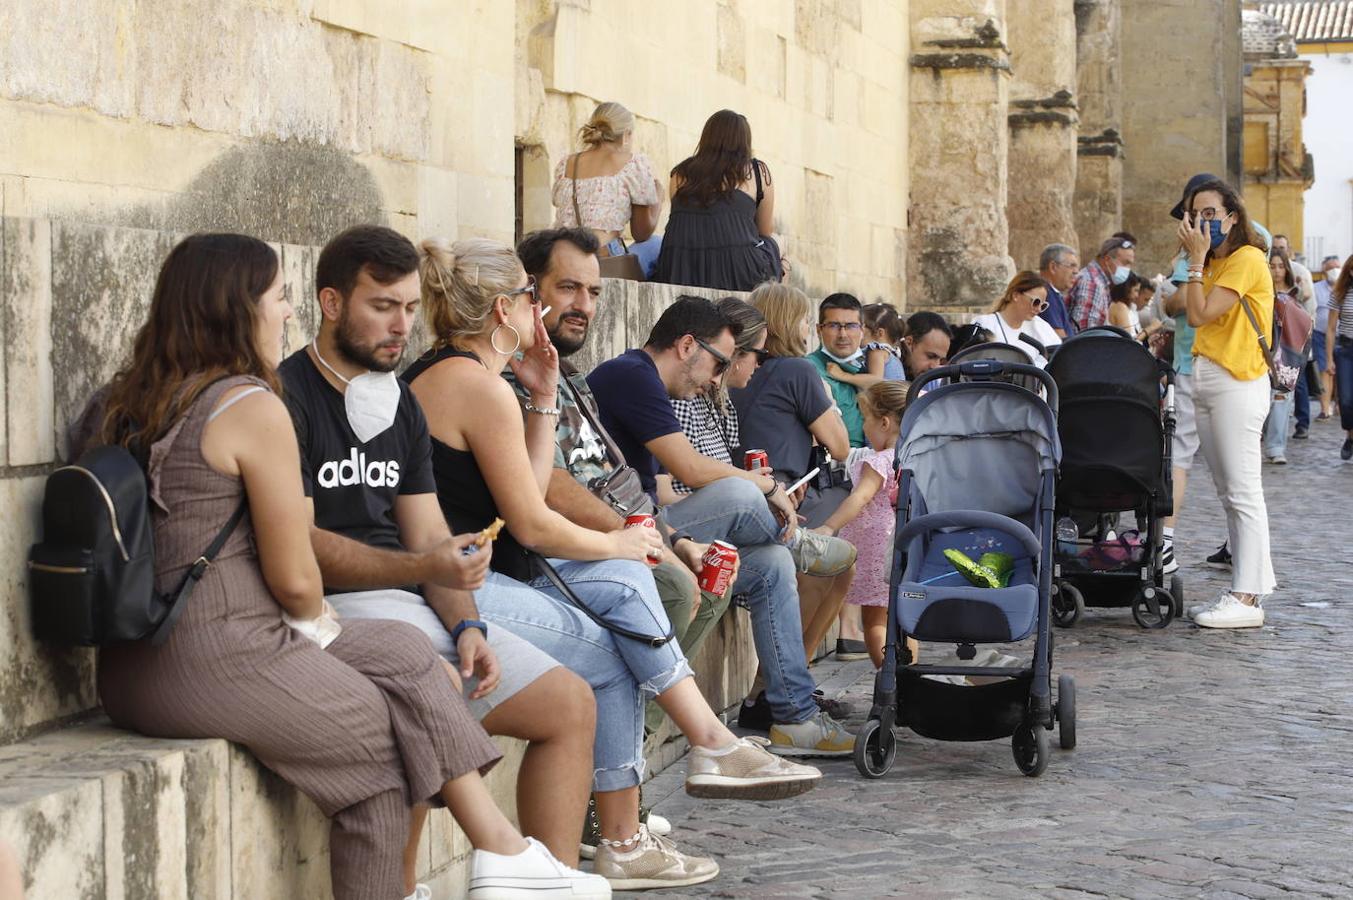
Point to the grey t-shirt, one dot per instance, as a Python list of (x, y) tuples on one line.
[(783, 398)]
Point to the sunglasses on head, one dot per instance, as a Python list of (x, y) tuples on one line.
[(721, 362)]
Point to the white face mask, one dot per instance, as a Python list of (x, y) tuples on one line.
[(371, 400), (852, 360)]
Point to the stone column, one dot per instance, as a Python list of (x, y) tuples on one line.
[(1099, 170), (1183, 117), (960, 75), (1043, 127)]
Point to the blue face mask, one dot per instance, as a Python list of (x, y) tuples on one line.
[(1121, 274), (1214, 231)]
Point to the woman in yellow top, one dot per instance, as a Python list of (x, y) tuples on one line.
[(1227, 268)]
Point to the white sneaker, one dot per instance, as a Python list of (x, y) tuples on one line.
[(1231, 613), (1278, 460), (420, 892), (1193, 611), (658, 825), (532, 873)]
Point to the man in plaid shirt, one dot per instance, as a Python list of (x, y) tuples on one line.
[(1088, 301)]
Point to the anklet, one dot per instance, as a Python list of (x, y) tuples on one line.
[(638, 836)]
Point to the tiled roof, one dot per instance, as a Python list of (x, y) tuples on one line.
[(1264, 37), (1314, 21)]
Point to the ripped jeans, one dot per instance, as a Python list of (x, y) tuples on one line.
[(622, 673)]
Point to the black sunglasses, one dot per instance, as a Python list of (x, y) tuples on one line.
[(721, 362), (761, 355)]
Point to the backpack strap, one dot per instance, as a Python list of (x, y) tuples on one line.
[(577, 213), (756, 173), (195, 573)]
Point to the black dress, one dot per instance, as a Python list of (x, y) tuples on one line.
[(718, 246)]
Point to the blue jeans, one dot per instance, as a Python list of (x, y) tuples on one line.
[(1302, 399), (1275, 429), (1343, 377), (733, 510), (619, 670)]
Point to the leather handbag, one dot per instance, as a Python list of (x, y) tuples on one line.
[(625, 266)]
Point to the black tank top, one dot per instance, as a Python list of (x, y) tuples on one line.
[(463, 494)]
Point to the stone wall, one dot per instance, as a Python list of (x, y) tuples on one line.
[(960, 87), (1044, 125), (95, 812), (824, 85), (1099, 161), (1179, 118), (1278, 170)]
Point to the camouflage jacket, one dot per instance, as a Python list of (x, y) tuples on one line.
[(577, 446)]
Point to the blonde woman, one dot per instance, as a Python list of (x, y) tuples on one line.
[(481, 311), (607, 186)]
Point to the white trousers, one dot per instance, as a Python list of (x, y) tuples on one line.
[(1230, 416)]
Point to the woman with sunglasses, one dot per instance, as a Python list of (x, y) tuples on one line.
[(481, 312), (1014, 317)]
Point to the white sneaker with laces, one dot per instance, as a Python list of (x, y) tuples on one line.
[(1193, 611), (654, 862), (1231, 613), (534, 873)]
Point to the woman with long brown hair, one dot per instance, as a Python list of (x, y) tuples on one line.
[(360, 716), (723, 208), (1285, 288), (1229, 297)]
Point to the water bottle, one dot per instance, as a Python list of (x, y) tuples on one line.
[(1067, 533)]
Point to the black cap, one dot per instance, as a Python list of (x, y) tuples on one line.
[(1194, 183)]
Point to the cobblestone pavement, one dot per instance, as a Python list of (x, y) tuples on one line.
[(1210, 763)]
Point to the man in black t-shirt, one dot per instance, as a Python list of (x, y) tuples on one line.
[(384, 548)]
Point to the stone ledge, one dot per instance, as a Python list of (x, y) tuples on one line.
[(95, 811)]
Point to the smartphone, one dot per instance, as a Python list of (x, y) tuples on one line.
[(804, 480)]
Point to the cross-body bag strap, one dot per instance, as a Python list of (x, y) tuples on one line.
[(195, 573), (717, 420), (1263, 341), (617, 458), (562, 587), (577, 213)]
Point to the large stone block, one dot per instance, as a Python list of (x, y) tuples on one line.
[(55, 827), (26, 296)]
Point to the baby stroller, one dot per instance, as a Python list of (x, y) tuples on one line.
[(978, 460), (1116, 432)]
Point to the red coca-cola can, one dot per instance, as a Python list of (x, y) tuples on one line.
[(717, 571), (756, 459), (649, 521)]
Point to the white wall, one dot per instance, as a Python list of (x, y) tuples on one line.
[(1328, 131)]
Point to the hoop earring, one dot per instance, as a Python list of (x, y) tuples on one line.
[(493, 339)]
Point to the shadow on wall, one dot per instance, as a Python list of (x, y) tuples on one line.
[(288, 193)]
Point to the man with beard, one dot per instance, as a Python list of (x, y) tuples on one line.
[(926, 345), (687, 351), (383, 545), (563, 262)]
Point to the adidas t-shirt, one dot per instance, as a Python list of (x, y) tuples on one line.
[(354, 485)]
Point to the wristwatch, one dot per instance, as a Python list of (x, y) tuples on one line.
[(468, 623), (678, 536)]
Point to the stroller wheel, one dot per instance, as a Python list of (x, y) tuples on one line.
[(1066, 712), (1177, 591), (1153, 607), (1031, 749), (875, 749), (1067, 604)]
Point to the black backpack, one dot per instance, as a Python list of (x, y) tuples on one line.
[(92, 579)]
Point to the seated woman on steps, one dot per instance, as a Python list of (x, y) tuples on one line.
[(609, 185), (483, 315), (364, 720)]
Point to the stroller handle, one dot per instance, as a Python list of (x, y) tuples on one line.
[(969, 518), (986, 370)]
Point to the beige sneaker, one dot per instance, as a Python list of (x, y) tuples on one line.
[(819, 736), (746, 772), (654, 863)]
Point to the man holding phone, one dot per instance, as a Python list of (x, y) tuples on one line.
[(563, 262)]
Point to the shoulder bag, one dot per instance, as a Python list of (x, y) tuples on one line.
[(620, 489), (626, 266), (1282, 378)]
